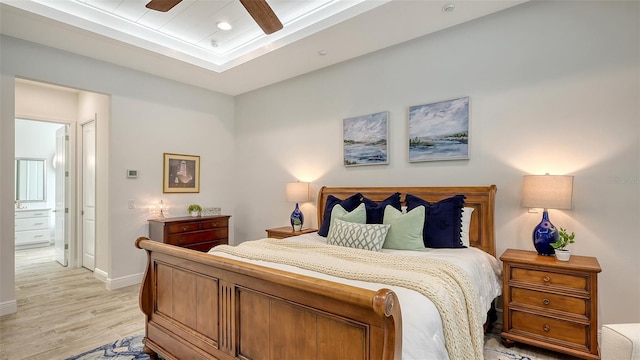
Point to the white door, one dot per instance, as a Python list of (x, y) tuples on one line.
[(89, 195), (61, 242)]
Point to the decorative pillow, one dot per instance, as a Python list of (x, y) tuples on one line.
[(359, 236), (466, 222), (443, 221), (406, 229), (348, 204), (358, 215), (375, 210)]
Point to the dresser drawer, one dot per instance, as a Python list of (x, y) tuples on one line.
[(545, 300), (32, 224), (548, 278), (215, 223), (553, 330), (197, 237), (31, 213), (183, 227), (32, 237)]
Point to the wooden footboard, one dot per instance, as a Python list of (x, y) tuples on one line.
[(201, 306)]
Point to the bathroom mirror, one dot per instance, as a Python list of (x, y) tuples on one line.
[(31, 179)]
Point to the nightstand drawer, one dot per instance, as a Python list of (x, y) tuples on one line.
[(196, 237), (548, 278), (544, 300), (553, 330)]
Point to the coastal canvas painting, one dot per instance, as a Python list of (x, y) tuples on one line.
[(439, 131), (365, 139)]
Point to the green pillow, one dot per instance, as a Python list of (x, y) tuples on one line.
[(406, 229), (358, 215)]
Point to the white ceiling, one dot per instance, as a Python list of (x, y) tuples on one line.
[(178, 44)]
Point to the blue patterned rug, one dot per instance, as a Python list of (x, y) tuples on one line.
[(130, 348)]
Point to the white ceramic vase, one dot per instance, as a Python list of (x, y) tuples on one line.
[(563, 255), (194, 214)]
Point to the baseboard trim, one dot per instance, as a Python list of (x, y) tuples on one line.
[(8, 307), (124, 281), (100, 275)]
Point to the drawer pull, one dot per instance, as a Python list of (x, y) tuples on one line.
[(38, 236), (38, 224), (546, 279), (180, 240), (546, 301), (546, 328), (185, 228)]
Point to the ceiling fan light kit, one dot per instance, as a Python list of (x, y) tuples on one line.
[(259, 10)]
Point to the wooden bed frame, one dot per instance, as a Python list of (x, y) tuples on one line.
[(201, 306)]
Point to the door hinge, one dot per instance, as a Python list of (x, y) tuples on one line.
[(66, 210), (66, 246), (66, 137)]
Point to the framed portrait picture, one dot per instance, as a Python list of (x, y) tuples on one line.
[(439, 131), (365, 139), (181, 173)]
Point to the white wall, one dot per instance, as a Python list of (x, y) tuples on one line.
[(554, 87), (147, 116)]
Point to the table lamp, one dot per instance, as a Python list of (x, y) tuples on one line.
[(297, 192), (547, 192)]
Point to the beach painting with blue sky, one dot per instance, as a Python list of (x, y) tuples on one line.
[(439, 131), (365, 139)]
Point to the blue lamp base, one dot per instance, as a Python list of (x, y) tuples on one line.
[(297, 219), (543, 235)]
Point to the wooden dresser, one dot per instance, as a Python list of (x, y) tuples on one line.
[(551, 304), (198, 233), (32, 228)]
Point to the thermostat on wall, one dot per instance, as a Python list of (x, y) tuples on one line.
[(132, 173)]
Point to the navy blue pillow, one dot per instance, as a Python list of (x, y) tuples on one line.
[(443, 221), (375, 210), (348, 204)]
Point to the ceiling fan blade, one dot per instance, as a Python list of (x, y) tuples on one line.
[(162, 5), (262, 13)]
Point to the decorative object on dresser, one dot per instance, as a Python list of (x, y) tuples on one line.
[(200, 234), (547, 192), (551, 304), (564, 239), (286, 231), (32, 227), (297, 192), (439, 131), (181, 173), (194, 210), (366, 140)]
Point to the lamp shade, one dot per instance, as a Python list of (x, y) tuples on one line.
[(547, 191), (297, 192)]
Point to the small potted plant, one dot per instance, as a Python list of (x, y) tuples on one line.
[(194, 210), (564, 239)]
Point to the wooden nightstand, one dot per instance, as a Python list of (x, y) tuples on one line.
[(551, 304), (286, 231)]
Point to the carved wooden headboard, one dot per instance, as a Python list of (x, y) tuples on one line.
[(481, 198)]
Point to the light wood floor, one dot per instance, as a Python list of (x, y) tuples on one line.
[(64, 312)]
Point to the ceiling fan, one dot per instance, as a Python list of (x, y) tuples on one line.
[(259, 10)]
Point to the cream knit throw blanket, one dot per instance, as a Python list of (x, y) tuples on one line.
[(445, 284)]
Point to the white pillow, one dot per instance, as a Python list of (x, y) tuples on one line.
[(359, 236), (466, 222)]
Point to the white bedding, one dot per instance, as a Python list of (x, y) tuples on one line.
[(422, 335)]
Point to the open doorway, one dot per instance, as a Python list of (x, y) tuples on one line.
[(72, 111)]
